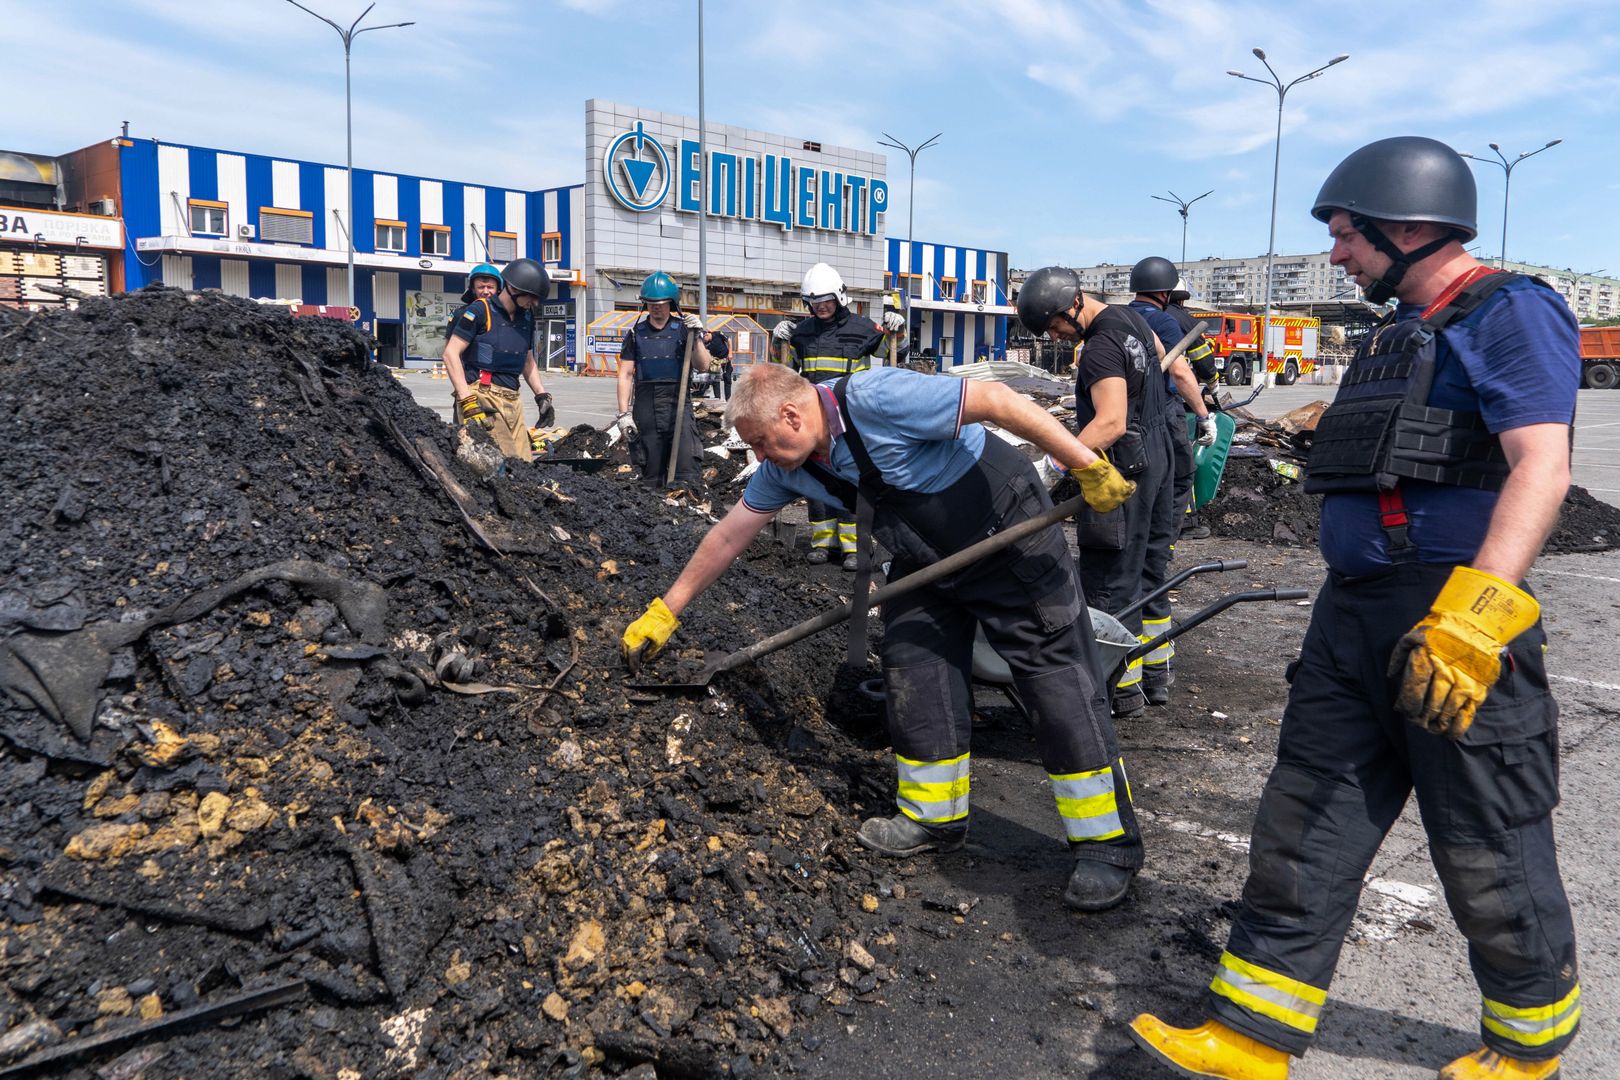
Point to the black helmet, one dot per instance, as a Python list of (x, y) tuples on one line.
[(1045, 293), (1407, 178), (1154, 274), (527, 276)]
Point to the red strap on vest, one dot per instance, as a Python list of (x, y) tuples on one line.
[(1394, 521), (1456, 287)]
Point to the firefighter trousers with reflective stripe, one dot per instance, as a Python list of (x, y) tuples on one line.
[(1030, 605), (831, 527), (660, 433), (1185, 464), (1116, 547), (1346, 764)]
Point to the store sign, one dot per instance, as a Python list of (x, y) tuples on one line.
[(641, 176), (65, 230)]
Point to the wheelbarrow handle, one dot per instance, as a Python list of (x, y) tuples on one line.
[(911, 582), (1216, 566), (1204, 614)]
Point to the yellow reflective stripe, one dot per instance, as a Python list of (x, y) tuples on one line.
[(933, 791), (1288, 1001), (1132, 676), (822, 533), (1198, 351), (1087, 805), (1152, 628), (1536, 1025), (834, 363)]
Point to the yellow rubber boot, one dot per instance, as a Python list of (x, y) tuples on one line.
[(1486, 1064), (1210, 1049)]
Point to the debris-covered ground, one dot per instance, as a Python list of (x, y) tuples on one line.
[(355, 721)]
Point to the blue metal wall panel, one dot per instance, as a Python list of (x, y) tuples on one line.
[(495, 210), (314, 287), (455, 198), (138, 196), (565, 224), (937, 271), (410, 212), (365, 215), (260, 189), (261, 276), (204, 168), (312, 197), (204, 272)]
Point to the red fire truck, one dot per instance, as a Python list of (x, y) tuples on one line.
[(1235, 337)]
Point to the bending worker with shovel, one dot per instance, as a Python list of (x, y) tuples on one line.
[(909, 445)]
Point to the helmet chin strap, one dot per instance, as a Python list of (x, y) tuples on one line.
[(1382, 290)]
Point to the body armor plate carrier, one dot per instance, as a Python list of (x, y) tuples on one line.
[(1381, 430)]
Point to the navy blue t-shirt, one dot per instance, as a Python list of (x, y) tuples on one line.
[(1516, 362), (1167, 330)]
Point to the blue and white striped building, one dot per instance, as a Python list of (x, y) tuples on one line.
[(959, 299), (251, 225)]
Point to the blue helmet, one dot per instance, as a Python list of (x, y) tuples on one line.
[(481, 270), (660, 286)]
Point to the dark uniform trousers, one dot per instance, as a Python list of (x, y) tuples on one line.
[(1034, 615), (657, 431), (1115, 547), (1163, 530), (1346, 763)]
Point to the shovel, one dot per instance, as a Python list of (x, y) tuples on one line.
[(911, 582)]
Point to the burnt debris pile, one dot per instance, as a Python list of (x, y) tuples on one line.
[(306, 698), (1262, 498)]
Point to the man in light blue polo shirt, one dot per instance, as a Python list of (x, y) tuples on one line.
[(910, 444)]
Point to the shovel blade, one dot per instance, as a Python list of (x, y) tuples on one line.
[(698, 682)]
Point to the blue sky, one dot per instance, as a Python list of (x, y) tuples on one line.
[(1059, 119)]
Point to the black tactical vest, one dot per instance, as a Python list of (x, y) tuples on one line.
[(1381, 430)]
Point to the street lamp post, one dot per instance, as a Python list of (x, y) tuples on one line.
[(348, 36), (1182, 206), (911, 213), (703, 186), (1276, 83), (1507, 169)]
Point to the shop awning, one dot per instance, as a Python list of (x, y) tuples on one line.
[(289, 253)]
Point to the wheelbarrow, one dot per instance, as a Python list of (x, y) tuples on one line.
[(1116, 645)]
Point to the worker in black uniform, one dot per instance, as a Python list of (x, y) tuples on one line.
[(1152, 280), (491, 347), (650, 363), (1119, 405), (1201, 358), (910, 444), (832, 343), (1443, 461)]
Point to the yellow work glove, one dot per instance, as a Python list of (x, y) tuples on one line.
[(472, 412), (1448, 662), (645, 637), (1102, 486)]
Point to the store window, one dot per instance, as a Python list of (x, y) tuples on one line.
[(947, 288), (502, 247), (551, 247), (207, 218), (981, 292), (286, 226), (390, 236), (914, 285), (436, 240)]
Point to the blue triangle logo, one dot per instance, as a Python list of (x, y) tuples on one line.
[(639, 174)]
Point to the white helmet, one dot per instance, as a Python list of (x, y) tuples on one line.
[(1180, 293), (821, 282)]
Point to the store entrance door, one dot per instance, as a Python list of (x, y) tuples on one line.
[(554, 345), (391, 344)]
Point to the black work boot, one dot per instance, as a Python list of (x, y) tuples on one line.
[(1096, 886), (851, 563), (1156, 685), (899, 836), (817, 557), (1125, 703)]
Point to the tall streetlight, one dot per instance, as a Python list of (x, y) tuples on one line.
[(911, 213), (1507, 169), (1182, 206), (348, 36), (1282, 89), (703, 187)]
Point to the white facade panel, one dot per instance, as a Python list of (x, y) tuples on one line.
[(385, 294), (549, 218), (289, 281), (174, 188), (433, 283), (337, 285), (337, 210), (233, 277), (432, 202), (177, 271), (472, 204), (284, 184), (231, 176), (385, 196), (517, 220)]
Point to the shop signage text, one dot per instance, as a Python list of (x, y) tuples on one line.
[(67, 230), (641, 176)]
